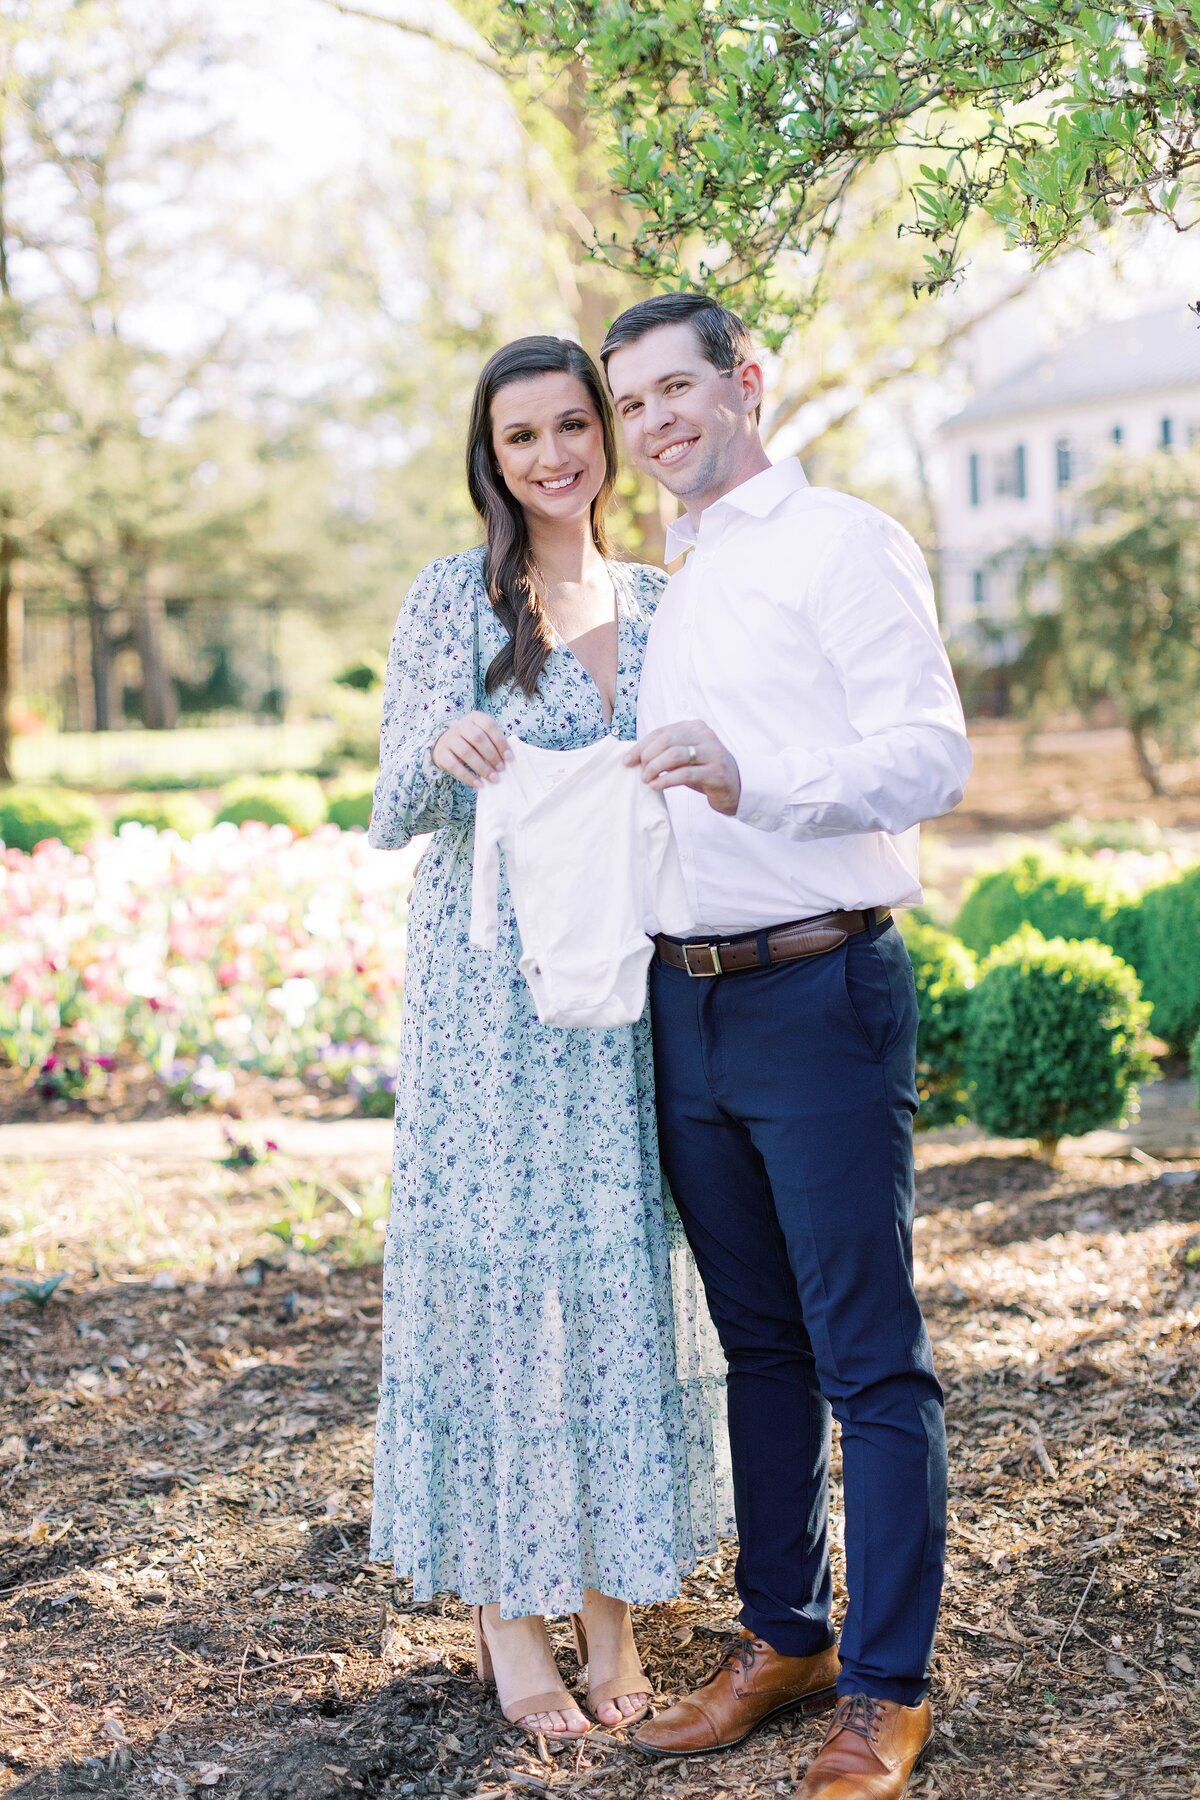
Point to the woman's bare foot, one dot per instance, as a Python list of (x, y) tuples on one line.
[(523, 1663), (611, 1647)]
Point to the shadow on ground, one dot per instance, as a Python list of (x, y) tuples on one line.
[(185, 1604)]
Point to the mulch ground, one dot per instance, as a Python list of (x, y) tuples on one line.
[(1023, 785), (186, 1604)]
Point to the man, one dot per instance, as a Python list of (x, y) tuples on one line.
[(799, 713)]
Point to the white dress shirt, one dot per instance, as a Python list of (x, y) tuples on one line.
[(802, 629), (586, 914)]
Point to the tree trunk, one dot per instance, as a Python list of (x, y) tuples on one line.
[(160, 704), (81, 715), (10, 649), (103, 697), (1148, 761), (601, 292)]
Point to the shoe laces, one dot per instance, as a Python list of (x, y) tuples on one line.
[(740, 1653), (857, 1712)]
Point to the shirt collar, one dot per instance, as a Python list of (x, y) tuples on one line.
[(759, 497)]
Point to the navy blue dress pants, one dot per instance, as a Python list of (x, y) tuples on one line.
[(785, 1102)]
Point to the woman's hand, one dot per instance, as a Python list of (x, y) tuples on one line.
[(473, 750)]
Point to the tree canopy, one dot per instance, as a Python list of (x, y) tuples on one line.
[(1126, 626), (738, 134), (231, 400)]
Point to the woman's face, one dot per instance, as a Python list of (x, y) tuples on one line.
[(549, 445)]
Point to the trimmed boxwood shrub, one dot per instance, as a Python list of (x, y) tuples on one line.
[(295, 800), (349, 801), (181, 813), (944, 971), (1125, 932), (1170, 952), (1055, 1039), (29, 814), (1060, 896), (366, 674)]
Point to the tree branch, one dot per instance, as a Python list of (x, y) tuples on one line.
[(481, 54)]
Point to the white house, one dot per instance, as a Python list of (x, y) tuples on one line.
[(1014, 457)]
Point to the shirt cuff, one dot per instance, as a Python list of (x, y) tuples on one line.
[(761, 803)]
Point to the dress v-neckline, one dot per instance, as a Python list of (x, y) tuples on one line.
[(560, 643)]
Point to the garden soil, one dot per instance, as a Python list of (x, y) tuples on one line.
[(186, 1604)]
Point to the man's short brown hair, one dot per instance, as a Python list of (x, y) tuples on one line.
[(723, 339)]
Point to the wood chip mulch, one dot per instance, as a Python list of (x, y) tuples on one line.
[(186, 1605)]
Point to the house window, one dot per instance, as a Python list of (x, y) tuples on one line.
[(1008, 473), (1166, 433), (1118, 435), (973, 476), (979, 587), (1062, 463)]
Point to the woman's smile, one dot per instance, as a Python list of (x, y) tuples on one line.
[(559, 484)]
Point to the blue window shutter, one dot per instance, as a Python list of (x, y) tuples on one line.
[(1118, 435), (978, 587), (1166, 434), (1019, 472), (973, 468)]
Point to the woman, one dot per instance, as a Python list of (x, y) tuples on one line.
[(535, 1449)]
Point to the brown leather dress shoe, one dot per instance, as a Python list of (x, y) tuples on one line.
[(752, 1684), (870, 1750)]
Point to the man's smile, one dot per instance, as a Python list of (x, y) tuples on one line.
[(674, 451)]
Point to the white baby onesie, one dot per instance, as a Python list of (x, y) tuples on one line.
[(593, 869)]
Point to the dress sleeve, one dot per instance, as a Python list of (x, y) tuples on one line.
[(430, 682)]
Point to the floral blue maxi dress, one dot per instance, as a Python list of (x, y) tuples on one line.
[(548, 1418)]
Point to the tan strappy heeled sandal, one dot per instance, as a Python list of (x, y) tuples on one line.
[(516, 1711), (630, 1678)]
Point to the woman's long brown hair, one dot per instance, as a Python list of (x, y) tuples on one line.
[(510, 573)]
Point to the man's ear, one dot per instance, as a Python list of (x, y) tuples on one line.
[(751, 385)]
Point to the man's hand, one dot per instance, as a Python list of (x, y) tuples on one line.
[(689, 754)]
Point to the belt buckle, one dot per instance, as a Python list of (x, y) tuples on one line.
[(711, 951)]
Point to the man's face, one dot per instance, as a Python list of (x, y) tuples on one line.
[(683, 421)]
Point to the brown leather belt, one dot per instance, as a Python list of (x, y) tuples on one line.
[(781, 943)]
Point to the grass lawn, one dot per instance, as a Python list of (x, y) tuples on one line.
[(207, 754), (186, 1603)]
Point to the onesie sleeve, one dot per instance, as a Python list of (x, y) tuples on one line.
[(430, 682), (485, 867), (667, 906)]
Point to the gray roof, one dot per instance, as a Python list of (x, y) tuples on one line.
[(1122, 356)]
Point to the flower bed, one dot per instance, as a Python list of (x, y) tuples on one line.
[(245, 948)]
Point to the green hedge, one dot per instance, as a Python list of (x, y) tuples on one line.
[(1055, 1038), (350, 801), (1060, 896), (1169, 923), (30, 814), (944, 971), (181, 813), (295, 800)]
